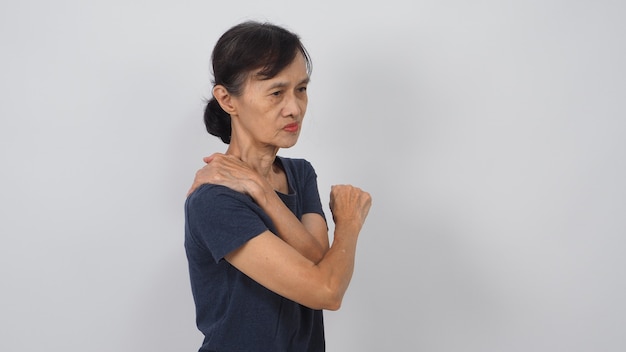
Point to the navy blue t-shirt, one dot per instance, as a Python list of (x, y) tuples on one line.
[(234, 312)]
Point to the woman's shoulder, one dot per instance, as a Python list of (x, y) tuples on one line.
[(299, 170), (295, 163), (212, 195)]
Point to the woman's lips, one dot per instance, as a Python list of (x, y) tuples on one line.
[(292, 127)]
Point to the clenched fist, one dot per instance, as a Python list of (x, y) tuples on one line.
[(349, 204)]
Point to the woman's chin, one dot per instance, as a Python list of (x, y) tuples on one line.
[(287, 146), (288, 143)]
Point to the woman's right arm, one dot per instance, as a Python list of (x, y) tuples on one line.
[(279, 267)]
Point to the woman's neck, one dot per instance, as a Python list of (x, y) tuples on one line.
[(259, 159)]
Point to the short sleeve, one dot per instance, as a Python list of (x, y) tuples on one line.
[(222, 220), (303, 181), (310, 194)]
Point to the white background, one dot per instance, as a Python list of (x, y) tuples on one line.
[(490, 134)]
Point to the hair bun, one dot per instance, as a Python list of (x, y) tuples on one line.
[(217, 121)]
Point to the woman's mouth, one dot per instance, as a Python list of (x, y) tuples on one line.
[(292, 127)]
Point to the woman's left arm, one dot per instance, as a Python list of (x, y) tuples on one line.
[(309, 237)]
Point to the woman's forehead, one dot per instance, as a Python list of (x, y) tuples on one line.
[(295, 73)]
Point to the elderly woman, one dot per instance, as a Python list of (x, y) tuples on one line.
[(256, 237)]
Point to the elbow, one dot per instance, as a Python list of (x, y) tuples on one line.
[(333, 305), (332, 299), (328, 291), (317, 258), (319, 254), (325, 298)]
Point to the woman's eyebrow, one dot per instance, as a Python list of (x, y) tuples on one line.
[(285, 84)]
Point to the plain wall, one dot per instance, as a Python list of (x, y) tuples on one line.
[(490, 135)]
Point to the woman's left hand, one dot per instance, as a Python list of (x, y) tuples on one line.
[(228, 171)]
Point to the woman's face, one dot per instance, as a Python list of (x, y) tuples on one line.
[(270, 112)]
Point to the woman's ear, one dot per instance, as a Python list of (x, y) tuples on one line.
[(224, 98)]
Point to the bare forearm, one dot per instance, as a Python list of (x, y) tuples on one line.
[(277, 265), (350, 206), (289, 228), (337, 265)]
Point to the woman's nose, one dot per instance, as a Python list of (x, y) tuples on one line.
[(293, 106)]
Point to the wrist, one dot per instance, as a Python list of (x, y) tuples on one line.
[(348, 225), (259, 190)]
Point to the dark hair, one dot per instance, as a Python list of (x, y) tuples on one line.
[(242, 49)]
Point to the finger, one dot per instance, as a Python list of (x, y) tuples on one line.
[(208, 159)]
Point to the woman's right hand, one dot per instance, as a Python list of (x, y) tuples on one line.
[(349, 204)]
